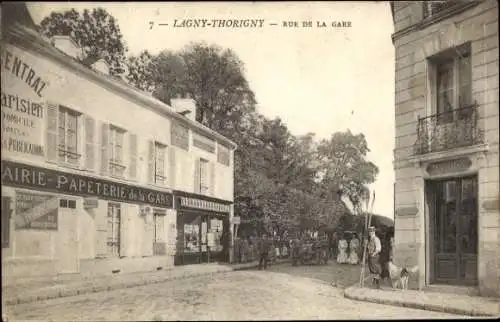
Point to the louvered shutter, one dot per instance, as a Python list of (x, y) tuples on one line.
[(123, 230), (133, 157), (212, 178), (171, 167), (105, 150), (52, 130), (89, 143), (151, 162), (101, 225), (197, 173)]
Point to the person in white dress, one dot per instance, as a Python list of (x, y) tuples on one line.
[(353, 250), (342, 255)]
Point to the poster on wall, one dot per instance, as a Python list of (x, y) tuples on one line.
[(23, 111), (36, 211)]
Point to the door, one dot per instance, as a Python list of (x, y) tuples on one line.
[(455, 238), (159, 245), (113, 230), (68, 255)]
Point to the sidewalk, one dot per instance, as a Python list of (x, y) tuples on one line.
[(430, 301), (43, 288)]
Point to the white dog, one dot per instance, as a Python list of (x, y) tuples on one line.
[(400, 275)]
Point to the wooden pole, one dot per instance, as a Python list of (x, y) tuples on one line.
[(362, 277), (368, 218)]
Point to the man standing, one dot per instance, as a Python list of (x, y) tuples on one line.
[(264, 246), (374, 248)]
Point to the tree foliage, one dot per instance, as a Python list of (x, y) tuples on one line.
[(96, 32), (343, 166)]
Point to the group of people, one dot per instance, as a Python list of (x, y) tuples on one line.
[(248, 249), (348, 250), (379, 252)]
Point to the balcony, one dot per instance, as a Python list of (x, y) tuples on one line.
[(457, 128)]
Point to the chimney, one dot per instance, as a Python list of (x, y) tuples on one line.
[(101, 66), (67, 46), (185, 106)]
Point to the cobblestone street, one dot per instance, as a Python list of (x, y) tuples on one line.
[(340, 275), (243, 295)]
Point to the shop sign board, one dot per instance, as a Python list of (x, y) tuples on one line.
[(42, 179)]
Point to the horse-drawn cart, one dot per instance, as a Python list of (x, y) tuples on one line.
[(310, 252)]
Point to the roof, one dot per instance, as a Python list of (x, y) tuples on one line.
[(13, 12), (23, 34)]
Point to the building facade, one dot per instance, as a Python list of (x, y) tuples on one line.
[(98, 176), (447, 138)]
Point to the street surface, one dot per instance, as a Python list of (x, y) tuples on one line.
[(281, 292), (340, 275)]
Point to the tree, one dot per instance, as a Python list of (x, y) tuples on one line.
[(96, 32), (213, 76), (343, 166)]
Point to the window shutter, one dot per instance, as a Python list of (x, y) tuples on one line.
[(133, 156), (123, 231), (197, 183), (89, 143), (212, 178), (105, 151), (52, 130), (171, 167), (151, 162), (101, 223)]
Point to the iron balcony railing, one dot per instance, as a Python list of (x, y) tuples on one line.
[(448, 130)]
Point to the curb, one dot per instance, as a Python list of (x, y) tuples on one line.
[(66, 292), (415, 305)]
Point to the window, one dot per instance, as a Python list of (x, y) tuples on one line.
[(117, 167), (160, 153), (434, 7), (453, 86), (113, 230), (204, 184), (68, 136), (67, 203)]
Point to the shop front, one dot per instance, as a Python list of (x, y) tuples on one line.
[(64, 222), (203, 229)]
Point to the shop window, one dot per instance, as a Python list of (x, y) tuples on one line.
[(116, 163), (68, 136), (192, 241), (204, 183), (113, 230), (216, 231), (160, 153)]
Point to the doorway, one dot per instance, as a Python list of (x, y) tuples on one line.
[(113, 231), (67, 243), (453, 228)]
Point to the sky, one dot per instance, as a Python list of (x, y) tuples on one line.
[(319, 80)]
